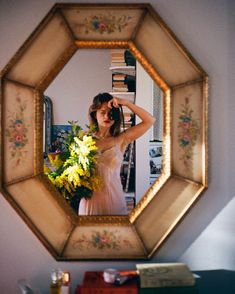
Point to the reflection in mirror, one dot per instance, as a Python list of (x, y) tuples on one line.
[(92, 71), (47, 124)]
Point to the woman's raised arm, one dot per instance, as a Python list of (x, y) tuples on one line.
[(147, 120)]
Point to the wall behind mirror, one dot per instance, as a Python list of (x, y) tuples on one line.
[(71, 93)]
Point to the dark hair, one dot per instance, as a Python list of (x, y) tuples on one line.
[(98, 100)]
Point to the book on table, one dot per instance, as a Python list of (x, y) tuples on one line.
[(93, 283), (165, 275), (175, 278)]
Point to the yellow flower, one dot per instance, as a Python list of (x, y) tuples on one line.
[(55, 159), (46, 169), (78, 170), (73, 175), (84, 161), (51, 179), (81, 134), (86, 184), (58, 182)]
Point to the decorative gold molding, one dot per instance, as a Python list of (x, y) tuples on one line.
[(148, 67), (38, 139), (83, 44), (104, 220)]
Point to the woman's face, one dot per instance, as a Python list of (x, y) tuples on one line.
[(102, 116)]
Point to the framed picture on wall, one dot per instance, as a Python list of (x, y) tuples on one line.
[(155, 160)]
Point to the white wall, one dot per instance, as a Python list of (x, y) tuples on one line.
[(205, 238), (84, 76)]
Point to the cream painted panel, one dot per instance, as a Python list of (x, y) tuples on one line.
[(42, 53), (165, 210), (167, 58), (43, 211), (100, 241), (18, 132), (103, 23), (187, 132)]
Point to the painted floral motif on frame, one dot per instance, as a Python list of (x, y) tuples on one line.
[(17, 131), (188, 132), (106, 24), (102, 241)]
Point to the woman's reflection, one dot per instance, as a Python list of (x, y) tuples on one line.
[(105, 114)]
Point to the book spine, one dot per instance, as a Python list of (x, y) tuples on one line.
[(158, 283)]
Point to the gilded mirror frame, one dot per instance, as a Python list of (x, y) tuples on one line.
[(63, 31)]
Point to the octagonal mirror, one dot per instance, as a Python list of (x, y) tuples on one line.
[(66, 29)]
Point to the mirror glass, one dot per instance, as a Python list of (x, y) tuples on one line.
[(92, 71)]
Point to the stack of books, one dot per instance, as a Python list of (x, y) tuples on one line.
[(118, 57), (118, 82), (130, 202), (93, 283), (123, 82), (118, 77)]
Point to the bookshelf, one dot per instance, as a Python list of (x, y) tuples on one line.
[(128, 69), (123, 72)]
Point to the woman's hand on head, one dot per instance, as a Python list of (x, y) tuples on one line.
[(116, 102)]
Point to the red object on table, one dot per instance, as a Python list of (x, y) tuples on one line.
[(94, 283)]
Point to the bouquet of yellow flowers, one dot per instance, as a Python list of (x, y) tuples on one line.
[(75, 173)]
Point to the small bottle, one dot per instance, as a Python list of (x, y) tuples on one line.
[(56, 281), (65, 287), (55, 288)]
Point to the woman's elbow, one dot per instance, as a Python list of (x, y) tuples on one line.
[(149, 123), (152, 120)]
